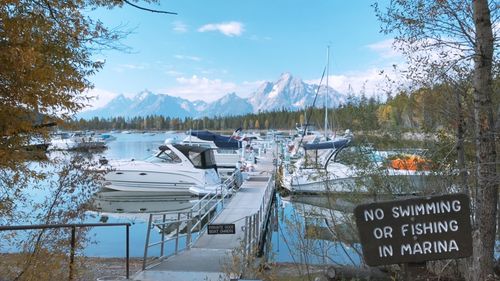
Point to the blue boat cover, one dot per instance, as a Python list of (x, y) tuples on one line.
[(331, 144), (219, 140)]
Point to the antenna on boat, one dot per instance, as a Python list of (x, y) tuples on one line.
[(326, 95)]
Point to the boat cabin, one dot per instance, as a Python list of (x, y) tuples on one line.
[(200, 157)]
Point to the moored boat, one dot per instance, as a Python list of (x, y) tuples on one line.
[(176, 169), (330, 168)]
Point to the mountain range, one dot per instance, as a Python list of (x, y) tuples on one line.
[(287, 92)]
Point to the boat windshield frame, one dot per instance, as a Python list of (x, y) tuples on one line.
[(166, 155)]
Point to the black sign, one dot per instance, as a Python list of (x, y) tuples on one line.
[(415, 230), (221, 229)]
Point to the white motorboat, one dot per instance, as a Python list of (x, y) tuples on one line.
[(176, 169), (75, 141), (325, 169)]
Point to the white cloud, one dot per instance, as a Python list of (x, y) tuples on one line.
[(201, 88), (100, 98), (227, 28), (420, 62), (385, 49), (372, 82), (184, 57), (173, 73), (179, 27), (424, 52), (128, 66)]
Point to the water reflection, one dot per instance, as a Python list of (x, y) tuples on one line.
[(110, 201), (317, 230), (314, 229)]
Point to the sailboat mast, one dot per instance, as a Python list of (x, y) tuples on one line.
[(326, 95)]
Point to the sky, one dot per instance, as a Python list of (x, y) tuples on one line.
[(211, 48)]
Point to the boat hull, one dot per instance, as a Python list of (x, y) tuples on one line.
[(157, 178), (389, 183)]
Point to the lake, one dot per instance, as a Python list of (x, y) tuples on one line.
[(306, 229)]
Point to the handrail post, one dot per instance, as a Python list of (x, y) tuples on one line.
[(222, 196), (163, 235), (262, 210), (249, 237), (255, 224), (72, 252), (252, 230), (177, 233), (199, 223), (259, 220), (147, 242), (245, 239), (127, 250), (189, 225)]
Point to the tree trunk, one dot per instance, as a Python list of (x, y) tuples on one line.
[(464, 187), (487, 189)]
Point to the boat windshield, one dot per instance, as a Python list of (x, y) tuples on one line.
[(166, 156)]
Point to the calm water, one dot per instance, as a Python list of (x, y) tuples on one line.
[(110, 241), (302, 226)]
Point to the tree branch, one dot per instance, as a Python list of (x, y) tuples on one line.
[(147, 9)]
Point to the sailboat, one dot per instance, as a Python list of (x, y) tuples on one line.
[(310, 172), (321, 170)]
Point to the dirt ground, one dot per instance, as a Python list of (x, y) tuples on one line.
[(108, 267), (87, 268), (111, 269)]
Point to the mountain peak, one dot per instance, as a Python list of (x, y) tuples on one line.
[(228, 98), (285, 76), (143, 95), (120, 97)]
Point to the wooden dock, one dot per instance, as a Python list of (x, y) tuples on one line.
[(210, 257)]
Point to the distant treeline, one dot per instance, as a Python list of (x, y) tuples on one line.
[(423, 110)]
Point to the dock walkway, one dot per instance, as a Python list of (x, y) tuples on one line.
[(211, 255)]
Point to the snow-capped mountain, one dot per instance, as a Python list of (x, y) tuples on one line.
[(147, 103), (287, 92), (291, 93), (115, 107), (228, 105)]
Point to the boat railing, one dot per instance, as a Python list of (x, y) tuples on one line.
[(255, 227), (190, 224), (73, 228)]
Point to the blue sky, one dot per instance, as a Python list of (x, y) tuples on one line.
[(215, 47)]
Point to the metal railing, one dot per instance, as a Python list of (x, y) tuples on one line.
[(73, 238), (199, 213), (256, 224)]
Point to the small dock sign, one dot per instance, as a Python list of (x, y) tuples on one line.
[(221, 229), (415, 230)]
